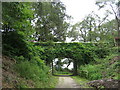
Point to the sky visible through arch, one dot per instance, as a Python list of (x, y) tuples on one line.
[(65, 65)]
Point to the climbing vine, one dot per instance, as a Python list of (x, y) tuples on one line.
[(83, 53)]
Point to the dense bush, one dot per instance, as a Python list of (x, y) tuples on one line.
[(91, 72), (102, 68), (102, 50), (105, 65), (116, 50), (14, 45)]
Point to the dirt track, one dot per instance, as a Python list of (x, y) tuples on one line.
[(67, 82)]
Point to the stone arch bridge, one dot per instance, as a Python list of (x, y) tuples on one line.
[(80, 53)]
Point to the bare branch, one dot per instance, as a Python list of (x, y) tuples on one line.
[(114, 11), (103, 20)]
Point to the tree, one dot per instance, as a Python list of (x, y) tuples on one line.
[(21, 21), (94, 28), (108, 31), (16, 25), (50, 24), (82, 31), (113, 4)]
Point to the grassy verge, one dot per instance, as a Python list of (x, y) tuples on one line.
[(49, 84), (81, 81), (63, 73), (54, 82)]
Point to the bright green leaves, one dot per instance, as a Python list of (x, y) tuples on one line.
[(76, 51), (16, 15), (83, 53)]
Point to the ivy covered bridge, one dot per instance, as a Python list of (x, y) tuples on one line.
[(78, 53)]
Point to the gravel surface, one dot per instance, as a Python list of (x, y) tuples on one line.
[(67, 82)]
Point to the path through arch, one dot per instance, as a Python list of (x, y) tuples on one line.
[(67, 82)]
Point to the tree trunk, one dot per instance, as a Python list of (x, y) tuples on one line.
[(90, 32), (52, 68), (75, 67), (118, 37), (118, 26)]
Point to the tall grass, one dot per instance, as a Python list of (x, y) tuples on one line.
[(37, 71)]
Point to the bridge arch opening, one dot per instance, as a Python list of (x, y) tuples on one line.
[(62, 66)]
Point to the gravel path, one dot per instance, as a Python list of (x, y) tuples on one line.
[(67, 82)]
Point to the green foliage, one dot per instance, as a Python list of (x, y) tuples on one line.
[(13, 43), (81, 81), (62, 73), (22, 84), (77, 51), (32, 71), (116, 50), (35, 51), (91, 72), (102, 68), (102, 50), (20, 58)]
